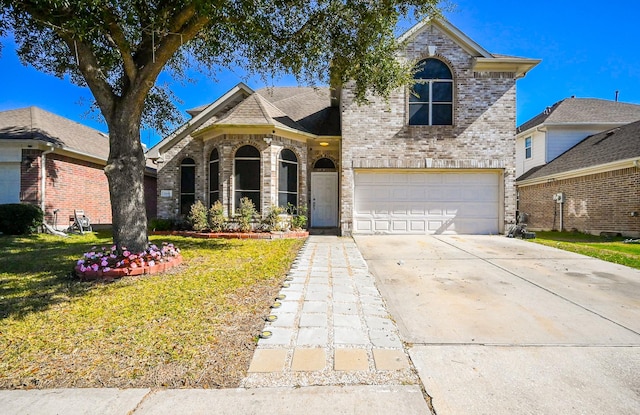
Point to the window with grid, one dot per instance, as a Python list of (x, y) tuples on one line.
[(431, 98), (247, 175), (287, 178), (187, 185), (527, 147), (214, 177)]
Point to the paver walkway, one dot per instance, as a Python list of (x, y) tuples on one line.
[(332, 326)]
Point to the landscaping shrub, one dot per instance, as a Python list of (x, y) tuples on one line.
[(299, 216), (272, 220), (244, 214), (197, 217), (20, 218), (217, 220)]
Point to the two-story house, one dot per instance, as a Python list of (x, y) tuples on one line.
[(437, 157), (563, 125)]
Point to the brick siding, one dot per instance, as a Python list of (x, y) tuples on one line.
[(269, 147), (377, 135), (72, 184), (594, 203)]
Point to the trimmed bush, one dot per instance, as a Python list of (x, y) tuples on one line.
[(20, 218), (217, 220), (159, 224), (245, 213), (198, 217)]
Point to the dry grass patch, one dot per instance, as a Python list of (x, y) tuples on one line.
[(194, 326)]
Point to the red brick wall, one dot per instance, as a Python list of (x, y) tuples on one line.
[(75, 184), (595, 203)]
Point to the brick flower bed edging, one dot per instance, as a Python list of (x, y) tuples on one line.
[(115, 273), (237, 235)]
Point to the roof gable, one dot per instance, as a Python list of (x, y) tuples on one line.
[(34, 123), (617, 144), (483, 60), (584, 111)]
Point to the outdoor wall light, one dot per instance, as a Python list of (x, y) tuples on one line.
[(323, 143)]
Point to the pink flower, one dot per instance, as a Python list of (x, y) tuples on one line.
[(104, 263), (126, 253), (94, 267)]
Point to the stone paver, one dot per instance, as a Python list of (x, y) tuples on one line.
[(332, 328), (351, 359), (308, 360)]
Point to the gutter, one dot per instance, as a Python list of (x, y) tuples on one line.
[(43, 175)]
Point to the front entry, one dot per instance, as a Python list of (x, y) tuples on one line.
[(324, 199)]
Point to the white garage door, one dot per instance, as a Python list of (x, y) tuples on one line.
[(427, 203), (9, 183)]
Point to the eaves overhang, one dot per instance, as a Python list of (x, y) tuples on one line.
[(518, 66), (601, 168)]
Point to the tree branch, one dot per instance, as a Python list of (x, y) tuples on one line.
[(119, 39)]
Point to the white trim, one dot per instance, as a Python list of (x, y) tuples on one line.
[(155, 151), (456, 34), (601, 168)]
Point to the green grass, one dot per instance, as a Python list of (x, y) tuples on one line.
[(611, 249), (193, 326)]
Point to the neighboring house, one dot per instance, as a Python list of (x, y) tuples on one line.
[(599, 183), (564, 124), (74, 157), (438, 161)]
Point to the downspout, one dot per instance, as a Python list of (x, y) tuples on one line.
[(43, 175)]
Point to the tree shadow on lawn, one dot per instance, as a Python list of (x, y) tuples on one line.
[(37, 273)]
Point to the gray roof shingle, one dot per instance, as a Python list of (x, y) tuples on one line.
[(619, 143), (34, 123), (585, 111)]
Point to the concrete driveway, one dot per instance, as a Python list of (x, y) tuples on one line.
[(505, 326)]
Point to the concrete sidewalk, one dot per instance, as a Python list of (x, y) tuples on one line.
[(316, 400)]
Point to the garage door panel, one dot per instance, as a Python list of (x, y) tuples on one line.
[(442, 203)]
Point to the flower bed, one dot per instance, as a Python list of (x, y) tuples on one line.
[(107, 264), (238, 235)]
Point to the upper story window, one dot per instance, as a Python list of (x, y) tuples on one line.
[(247, 175), (287, 178), (431, 100), (214, 177), (187, 185), (527, 147)]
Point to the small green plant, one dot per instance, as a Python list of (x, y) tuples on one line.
[(299, 216), (273, 222), (245, 213), (217, 220), (197, 217)]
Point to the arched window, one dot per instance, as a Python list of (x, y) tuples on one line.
[(187, 185), (247, 175), (287, 178), (324, 163), (214, 177), (431, 100)]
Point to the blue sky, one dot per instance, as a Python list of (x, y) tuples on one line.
[(588, 49)]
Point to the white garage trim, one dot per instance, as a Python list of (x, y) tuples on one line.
[(428, 202)]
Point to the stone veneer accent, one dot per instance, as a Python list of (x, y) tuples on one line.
[(377, 135), (200, 149)]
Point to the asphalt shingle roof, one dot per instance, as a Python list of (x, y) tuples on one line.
[(34, 123), (619, 143), (585, 111)]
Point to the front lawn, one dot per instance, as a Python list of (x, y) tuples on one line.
[(194, 326), (606, 248)]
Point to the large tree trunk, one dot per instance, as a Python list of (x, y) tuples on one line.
[(125, 173)]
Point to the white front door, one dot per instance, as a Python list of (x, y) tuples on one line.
[(324, 199)]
